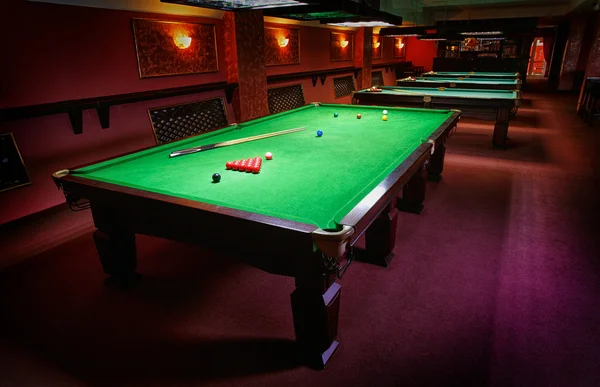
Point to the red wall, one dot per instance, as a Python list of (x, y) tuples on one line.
[(61, 52), (593, 63), (66, 52), (421, 52), (314, 51)]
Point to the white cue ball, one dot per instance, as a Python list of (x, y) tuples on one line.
[(384, 112)]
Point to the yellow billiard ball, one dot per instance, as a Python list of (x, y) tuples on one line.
[(384, 118)]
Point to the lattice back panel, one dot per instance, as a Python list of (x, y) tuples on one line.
[(171, 123), (285, 98), (377, 78), (343, 86)]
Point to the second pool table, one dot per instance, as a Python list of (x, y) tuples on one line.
[(494, 105), (300, 216), (465, 83), (472, 74)]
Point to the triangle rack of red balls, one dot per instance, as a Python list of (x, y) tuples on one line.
[(247, 165)]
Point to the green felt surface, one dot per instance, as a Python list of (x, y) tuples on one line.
[(314, 180), (450, 92), (483, 81)]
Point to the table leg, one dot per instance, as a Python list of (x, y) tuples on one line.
[(584, 97), (501, 128), (380, 238), (315, 307), (413, 193), (116, 249), (436, 163)]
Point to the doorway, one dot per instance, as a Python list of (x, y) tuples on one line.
[(537, 63)]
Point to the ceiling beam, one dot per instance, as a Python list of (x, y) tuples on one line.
[(141, 6), (499, 12)]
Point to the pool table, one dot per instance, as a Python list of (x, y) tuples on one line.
[(465, 83), (300, 216), (471, 74), (495, 105)]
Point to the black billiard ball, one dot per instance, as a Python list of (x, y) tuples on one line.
[(216, 178)]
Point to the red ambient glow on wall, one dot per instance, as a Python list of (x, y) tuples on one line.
[(399, 48), (282, 46), (174, 48), (377, 47), (341, 46)]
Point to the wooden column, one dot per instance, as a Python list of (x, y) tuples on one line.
[(574, 45), (560, 41), (363, 56), (593, 60), (245, 63), (523, 63)]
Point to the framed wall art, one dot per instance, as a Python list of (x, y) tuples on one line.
[(282, 46), (13, 172), (342, 46), (399, 47), (174, 48), (377, 47)]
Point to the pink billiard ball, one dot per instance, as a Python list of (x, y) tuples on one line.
[(268, 156)]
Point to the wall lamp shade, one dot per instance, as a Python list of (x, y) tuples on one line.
[(182, 41), (435, 38), (361, 24), (477, 33), (376, 44), (400, 44), (282, 41), (241, 5), (343, 43), (403, 31)]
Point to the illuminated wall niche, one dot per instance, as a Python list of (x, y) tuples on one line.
[(342, 45), (377, 47), (282, 46), (399, 47), (174, 48)]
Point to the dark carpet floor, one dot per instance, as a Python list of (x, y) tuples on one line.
[(496, 283)]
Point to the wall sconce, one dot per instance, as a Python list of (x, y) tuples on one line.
[(343, 43), (376, 44), (182, 41), (400, 44), (283, 41)]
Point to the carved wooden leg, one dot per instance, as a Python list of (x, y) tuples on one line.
[(316, 309), (380, 238), (501, 128), (117, 254), (413, 193), (436, 163)]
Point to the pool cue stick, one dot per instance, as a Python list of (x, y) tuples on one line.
[(231, 142), (408, 92)]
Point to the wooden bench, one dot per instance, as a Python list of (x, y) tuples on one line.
[(174, 122), (285, 98)]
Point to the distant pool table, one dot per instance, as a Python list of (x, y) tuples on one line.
[(465, 83), (300, 216), (494, 105), (471, 74)]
